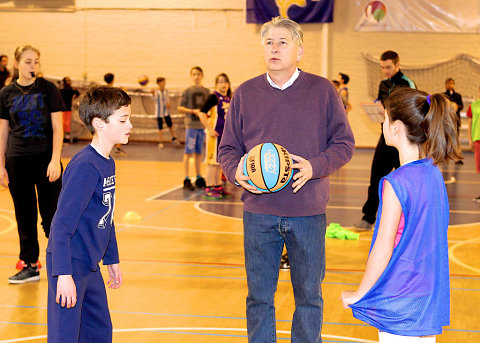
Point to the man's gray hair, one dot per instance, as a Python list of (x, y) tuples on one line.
[(294, 28)]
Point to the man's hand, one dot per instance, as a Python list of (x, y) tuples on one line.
[(242, 178), (304, 173), (3, 176)]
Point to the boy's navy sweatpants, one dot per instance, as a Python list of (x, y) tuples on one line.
[(89, 321)]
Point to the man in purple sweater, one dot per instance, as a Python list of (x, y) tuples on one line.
[(303, 113)]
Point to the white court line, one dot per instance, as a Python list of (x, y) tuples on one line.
[(451, 254), (198, 208), (193, 329), (163, 193), (12, 224)]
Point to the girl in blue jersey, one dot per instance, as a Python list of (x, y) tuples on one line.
[(405, 290), (83, 231)]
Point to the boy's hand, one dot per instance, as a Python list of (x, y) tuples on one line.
[(114, 276), (304, 174), (242, 178), (66, 291), (349, 298)]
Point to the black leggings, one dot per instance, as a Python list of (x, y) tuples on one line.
[(25, 173), (384, 161)]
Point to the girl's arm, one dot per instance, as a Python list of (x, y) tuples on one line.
[(54, 169), (383, 247), (3, 148)]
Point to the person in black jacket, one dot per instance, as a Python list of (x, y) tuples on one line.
[(456, 101), (386, 157)]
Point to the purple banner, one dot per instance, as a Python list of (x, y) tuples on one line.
[(301, 11)]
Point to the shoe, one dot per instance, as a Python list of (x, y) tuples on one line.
[(363, 225), (175, 141), (187, 184), (212, 193), (160, 145), (120, 152), (200, 182), (477, 199), (459, 162), (223, 192), (27, 274), (21, 264), (284, 262)]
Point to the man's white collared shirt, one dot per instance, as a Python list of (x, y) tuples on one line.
[(286, 84)]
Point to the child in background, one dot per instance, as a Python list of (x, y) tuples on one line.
[(31, 121), (405, 290), (217, 106), (69, 95), (193, 99), (473, 114), (162, 109), (83, 231)]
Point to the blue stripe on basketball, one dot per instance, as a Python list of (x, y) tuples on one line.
[(270, 164)]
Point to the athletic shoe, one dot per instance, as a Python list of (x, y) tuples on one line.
[(175, 141), (284, 262), (27, 274), (363, 225), (212, 193), (21, 264), (187, 184), (120, 152), (223, 192), (477, 199), (200, 182)]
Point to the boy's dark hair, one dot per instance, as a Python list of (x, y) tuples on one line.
[(336, 83), (430, 122), (108, 77), (197, 68), (345, 78), (449, 79), (390, 55), (101, 102), (160, 79)]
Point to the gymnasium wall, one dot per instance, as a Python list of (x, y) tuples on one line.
[(166, 38)]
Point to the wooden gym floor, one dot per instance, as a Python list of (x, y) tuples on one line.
[(184, 279)]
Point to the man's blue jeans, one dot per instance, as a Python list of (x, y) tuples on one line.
[(304, 237)]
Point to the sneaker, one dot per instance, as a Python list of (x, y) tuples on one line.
[(187, 184), (212, 193), (200, 182), (363, 225), (21, 264), (477, 199), (120, 152), (175, 141), (27, 274), (284, 262), (223, 192)]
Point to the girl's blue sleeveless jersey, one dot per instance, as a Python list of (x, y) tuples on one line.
[(412, 296)]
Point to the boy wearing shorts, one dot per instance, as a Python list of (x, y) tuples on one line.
[(162, 108), (83, 232), (193, 99)]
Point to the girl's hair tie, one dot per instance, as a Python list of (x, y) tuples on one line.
[(429, 101)]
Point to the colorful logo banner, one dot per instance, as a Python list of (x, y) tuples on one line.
[(302, 11)]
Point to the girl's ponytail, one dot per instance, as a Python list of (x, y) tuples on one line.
[(440, 122)]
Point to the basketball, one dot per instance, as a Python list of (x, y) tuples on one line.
[(269, 167), (143, 80)]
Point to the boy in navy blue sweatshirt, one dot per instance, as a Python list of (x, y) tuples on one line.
[(83, 232)]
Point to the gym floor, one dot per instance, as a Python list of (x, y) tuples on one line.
[(184, 277)]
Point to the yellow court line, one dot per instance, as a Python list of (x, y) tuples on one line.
[(456, 260)]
